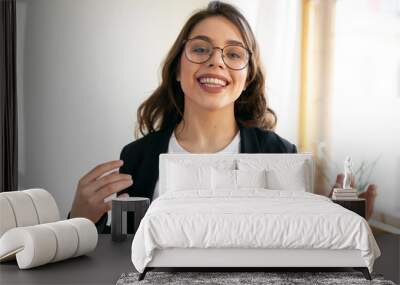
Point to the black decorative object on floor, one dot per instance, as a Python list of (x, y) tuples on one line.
[(243, 278), (120, 206)]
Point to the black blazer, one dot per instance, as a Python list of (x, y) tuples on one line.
[(141, 160)]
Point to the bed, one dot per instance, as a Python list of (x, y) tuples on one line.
[(244, 211)]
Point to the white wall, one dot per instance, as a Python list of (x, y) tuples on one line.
[(85, 66)]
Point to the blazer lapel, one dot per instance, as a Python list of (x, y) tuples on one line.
[(159, 145), (248, 140), (161, 142)]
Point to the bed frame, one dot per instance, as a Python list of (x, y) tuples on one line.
[(236, 259)]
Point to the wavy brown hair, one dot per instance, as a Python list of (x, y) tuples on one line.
[(165, 106)]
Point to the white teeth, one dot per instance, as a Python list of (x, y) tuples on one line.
[(212, 81), (212, 85)]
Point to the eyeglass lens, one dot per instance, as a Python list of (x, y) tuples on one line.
[(200, 51)]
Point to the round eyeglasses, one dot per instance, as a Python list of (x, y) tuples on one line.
[(199, 51)]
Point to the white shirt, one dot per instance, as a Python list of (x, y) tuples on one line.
[(175, 147)]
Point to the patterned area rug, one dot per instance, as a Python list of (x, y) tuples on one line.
[(242, 278)]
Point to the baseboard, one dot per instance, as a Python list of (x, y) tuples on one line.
[(380, 227)]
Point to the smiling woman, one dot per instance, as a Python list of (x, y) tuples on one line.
[(220, 32), (202, 70), (211, 99)]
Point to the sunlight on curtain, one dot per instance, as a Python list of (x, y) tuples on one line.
[(316, 72)]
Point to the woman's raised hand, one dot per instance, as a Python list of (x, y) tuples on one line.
[(94, 187)]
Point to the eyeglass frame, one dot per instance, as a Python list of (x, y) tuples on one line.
[(211, 54)]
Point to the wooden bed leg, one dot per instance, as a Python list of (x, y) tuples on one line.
[(364, 271), (143, 274)]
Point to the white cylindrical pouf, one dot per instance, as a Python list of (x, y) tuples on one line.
[(40, 244), (87, 235), (23, 207), (66, 237), (33, 246), (46, 206), (7, 217)]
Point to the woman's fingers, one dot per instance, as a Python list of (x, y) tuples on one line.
[(353, 182), (106, 206), (99, 170), (107, 179), (96, 185), (339, 180), (111, 188)]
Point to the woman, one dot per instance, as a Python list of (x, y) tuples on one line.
[(211, 100)]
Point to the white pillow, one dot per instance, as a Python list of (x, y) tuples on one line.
[(224, 179), (251, 179), (236, 179), (293, 178), (188, 177)]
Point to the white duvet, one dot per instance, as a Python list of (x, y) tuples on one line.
[(252, 218)]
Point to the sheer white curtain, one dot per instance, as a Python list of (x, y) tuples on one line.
[(277, 25)]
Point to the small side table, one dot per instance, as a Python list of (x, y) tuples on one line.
[(137, 205), (356, 205)]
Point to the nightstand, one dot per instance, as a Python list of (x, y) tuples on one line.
[(357, 205)]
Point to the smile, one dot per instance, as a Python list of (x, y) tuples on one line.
[(212, 83)]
